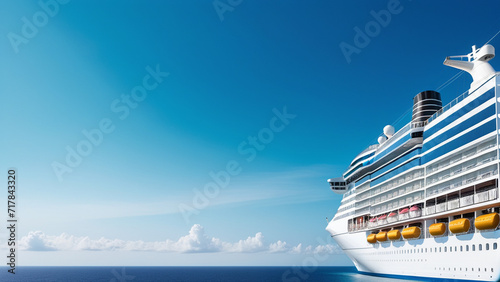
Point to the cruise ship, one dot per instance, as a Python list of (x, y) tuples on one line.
[(424, 201)]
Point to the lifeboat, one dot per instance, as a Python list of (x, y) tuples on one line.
[(394, 235), (460, 225), (411, 232), (381, 236), (372, 238), (487, 221), (415, 211), (382, 219), (403, 214), (437, 229), (392, 217)]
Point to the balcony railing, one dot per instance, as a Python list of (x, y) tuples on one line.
[(463, 157), (488, 195)]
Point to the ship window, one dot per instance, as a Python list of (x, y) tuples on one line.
[(439, 249), (480, 247), (455, 248), (473, 247), (467, 248), (494, 246), (445, 249), (461, 248), (487, 246), (492, 269)]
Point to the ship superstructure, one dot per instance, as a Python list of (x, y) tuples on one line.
[(425, 200)]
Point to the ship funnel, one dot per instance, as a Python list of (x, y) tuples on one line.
[(475, 63), (425, 104)]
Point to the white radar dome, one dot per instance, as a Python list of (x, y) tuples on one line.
[(381, 139), (389, 131)]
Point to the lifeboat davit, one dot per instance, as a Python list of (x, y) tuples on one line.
[(437, 229), (487, 221), (460, 225)]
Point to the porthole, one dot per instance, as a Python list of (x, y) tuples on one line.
[(487, 246), (494, 246)]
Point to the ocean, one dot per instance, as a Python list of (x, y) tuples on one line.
[(188, 274)]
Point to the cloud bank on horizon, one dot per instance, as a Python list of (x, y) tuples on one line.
[(197, 241)]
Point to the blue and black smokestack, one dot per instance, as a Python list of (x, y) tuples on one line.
[(425, 104)]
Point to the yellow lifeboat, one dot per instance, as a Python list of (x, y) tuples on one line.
[(487, 221), (460, 225), (372, 238), (394, 235), (381, 236), (411, 232), (437, 229)]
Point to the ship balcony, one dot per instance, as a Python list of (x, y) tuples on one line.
[(486, 191), (457, 160)]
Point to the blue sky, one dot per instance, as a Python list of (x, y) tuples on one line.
[(216, 75)]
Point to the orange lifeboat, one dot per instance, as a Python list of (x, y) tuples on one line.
[(460, 225), (411, 232), (372, 238), (487, 221), (394, 234), (381, 236), (437, 229)]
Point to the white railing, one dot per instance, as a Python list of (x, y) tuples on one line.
[(441, 207), (446, 163), (454, 204)]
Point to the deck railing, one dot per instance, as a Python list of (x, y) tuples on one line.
[(463, 201)]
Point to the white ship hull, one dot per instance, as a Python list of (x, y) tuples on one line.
[(425, 201), (427, 257)]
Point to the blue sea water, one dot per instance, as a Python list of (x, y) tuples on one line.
[(187, 274)]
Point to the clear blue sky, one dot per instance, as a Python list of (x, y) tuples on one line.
[(65, 66)]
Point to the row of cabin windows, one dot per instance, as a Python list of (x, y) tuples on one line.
[(460, 269), (465, 248)]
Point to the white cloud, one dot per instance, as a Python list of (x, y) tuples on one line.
[(278, 247), (197, 241)]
